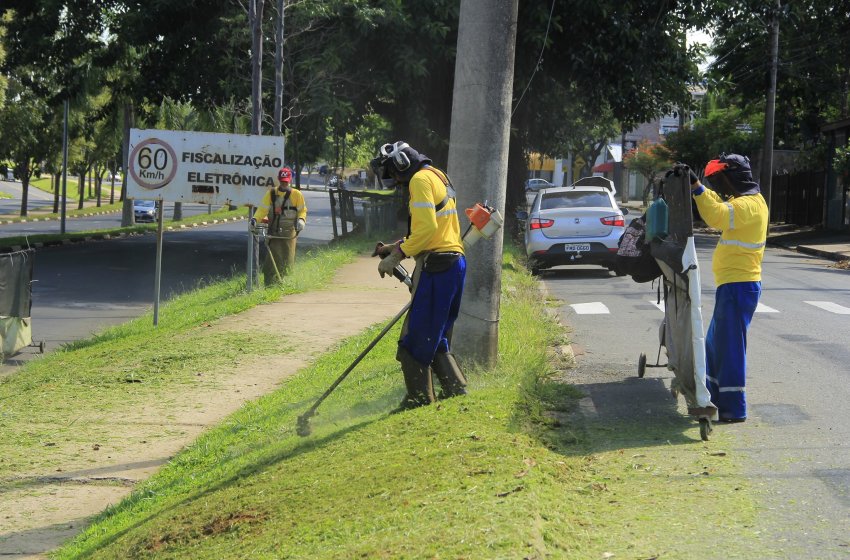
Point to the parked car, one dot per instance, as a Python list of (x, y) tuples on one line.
[(532, 186), (579, 224), (144, 210)]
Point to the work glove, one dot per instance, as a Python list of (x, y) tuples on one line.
[(299, 224), (253, 225), (382, 249), (681, 169), (391, 261)]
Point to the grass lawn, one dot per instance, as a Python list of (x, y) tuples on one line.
[(509, 471)]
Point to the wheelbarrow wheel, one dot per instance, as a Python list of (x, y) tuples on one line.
[(642, 365), (705, 428)]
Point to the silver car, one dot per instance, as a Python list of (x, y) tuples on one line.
[(144, 210), (579, 224)]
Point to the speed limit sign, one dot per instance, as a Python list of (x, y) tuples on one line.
[(202, 167), (153, 163)]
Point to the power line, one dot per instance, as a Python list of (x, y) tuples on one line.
[(539, 59)]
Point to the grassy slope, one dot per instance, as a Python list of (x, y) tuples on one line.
[(57, 405), (489, 475)]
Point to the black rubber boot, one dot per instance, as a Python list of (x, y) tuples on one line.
[(452, 382), (417, 380)]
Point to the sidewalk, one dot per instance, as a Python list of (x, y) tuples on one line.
[(827, 244), (42, 509)]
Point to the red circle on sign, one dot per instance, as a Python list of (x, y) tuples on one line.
[(141, 181)]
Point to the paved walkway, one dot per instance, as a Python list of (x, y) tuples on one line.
[(40, 510)]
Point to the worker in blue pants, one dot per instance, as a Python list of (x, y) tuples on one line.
[(433, 240), (736, 207), (726, 347)]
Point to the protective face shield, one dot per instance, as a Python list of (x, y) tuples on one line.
[(390, 163), (730, 175), (382, 171)]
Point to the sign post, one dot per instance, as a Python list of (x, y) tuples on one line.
[(201, 167)]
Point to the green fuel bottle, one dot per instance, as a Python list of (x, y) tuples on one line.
[(657, 218)]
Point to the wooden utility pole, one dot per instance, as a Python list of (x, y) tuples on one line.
[(766, 174), (478, 159)]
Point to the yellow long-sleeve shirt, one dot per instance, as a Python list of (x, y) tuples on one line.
[(431, 229), (296, 201), (743, 223)]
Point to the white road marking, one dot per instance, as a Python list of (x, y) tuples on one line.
[(762, 308), (831, 307), (592, 308)]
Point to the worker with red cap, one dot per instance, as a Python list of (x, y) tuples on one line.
[(736, 207), (284, 210)]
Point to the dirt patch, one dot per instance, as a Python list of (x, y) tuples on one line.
[(40, 510)]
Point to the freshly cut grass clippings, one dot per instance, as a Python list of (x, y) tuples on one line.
[(494, 474)]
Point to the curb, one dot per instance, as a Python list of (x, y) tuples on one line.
[(28, 220), (107, 236), (821, 253)]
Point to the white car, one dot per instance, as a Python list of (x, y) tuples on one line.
[(579, 224)]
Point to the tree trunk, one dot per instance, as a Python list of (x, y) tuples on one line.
[(57, 183), (82, 189), (127, 217), (478, 159), (25, 187), (278, 71), (255, 21)]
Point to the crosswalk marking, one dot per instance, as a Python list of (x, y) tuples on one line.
[(831, 307), (760, 308), (592, 308), (599, 308)]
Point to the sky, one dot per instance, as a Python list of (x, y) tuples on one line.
[(700, 36)]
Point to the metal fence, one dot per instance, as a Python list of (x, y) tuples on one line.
[(798, 198), (369, 212)]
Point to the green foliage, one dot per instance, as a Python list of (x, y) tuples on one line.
[(841, 162), (724, 130), (650, 160), (814, 63)]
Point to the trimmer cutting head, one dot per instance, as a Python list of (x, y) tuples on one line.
[(302, 427)]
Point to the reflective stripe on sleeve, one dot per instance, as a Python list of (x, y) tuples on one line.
[(446, 212), (743, 244), (422, 204), (731, 215)]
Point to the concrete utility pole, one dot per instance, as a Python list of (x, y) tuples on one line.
[(766, 174), (478, 159)]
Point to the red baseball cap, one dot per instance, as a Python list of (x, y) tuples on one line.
[(284, 175)]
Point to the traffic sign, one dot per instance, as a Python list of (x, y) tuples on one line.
[(203, 167)]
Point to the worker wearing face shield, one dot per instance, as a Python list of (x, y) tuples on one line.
[(736, 207), (434, 241)]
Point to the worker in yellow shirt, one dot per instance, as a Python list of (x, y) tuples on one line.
[(284, 210), (736, 207), (434, 241)]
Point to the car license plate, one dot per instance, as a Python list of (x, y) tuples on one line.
[(576, 247)]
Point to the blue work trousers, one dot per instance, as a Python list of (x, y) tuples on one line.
[(436, 304), (726, 346)]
